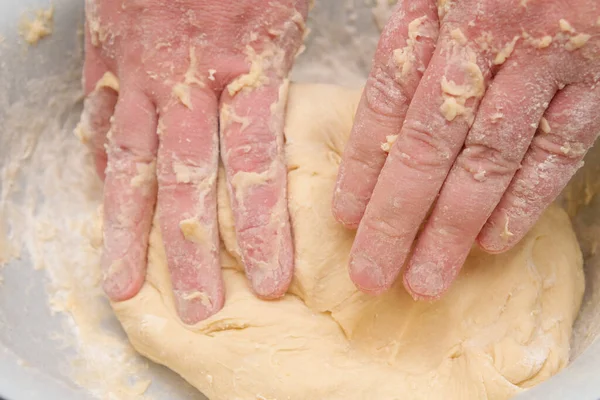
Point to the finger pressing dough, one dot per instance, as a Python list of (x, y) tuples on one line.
[(505, 324)]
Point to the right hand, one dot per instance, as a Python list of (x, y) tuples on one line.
[(490, 127)]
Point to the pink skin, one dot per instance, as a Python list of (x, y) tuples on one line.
[(151, 46), (432, 177)]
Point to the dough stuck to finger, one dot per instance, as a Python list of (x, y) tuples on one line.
[(504, 325)]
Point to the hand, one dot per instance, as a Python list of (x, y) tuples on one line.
[(164, 70), (497, 125)]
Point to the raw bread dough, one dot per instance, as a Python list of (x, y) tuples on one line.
[(505, 324)]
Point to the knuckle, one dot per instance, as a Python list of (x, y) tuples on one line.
[(453, 230), (183, 173), (194, 151), (127, 152), (485, 160), (384, 227), (557, 147), (383, 96), (367, 158), (256, 228), (251, 154), (523, 194), (426, 150), (136, 147), (384, 218)]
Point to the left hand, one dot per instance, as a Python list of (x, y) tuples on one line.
[(497, 125), (171, 86)]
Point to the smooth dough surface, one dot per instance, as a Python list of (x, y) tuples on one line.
[(505, 325)]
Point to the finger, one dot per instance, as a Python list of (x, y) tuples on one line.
[(129, 194), (570, 126), (403, 53), (98, 108), (505, 124), (252, 152), (93, 66), (101, 91), (436, 124), (187, 206)]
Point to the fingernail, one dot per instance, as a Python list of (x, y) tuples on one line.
[(195, 305), (347, 208), (492, 243), (490, 246), (425, 280), (367, 275), (118, 273), (497, 237), (271, 279), (267, 284), (118, 281)]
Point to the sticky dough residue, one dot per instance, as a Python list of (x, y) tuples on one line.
[(260, 63), (455, 95), (390, 140), (33, 30), (194, 231), (405, 58), (183, 90)]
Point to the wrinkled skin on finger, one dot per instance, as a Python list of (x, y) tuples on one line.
[(498, 123), (172, 86)]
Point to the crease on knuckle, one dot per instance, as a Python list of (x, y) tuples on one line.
[(251, 229), (168, 182), (128, 152), (522, 202), (384, 227), (384, 97), (427, 151), (125, 216), (488, 160), (451, 231), (120, 225), (560, 149), (251, 155), (184, 173), (366, 158), (192, 155)]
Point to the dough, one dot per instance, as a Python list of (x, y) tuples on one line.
[(505, 325)]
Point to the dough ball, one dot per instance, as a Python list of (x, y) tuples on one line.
[(505, 324)]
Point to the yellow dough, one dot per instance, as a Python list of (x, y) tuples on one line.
[(505, 325)]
